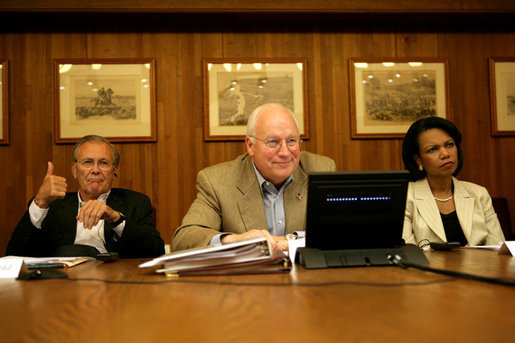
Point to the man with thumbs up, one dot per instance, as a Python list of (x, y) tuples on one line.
[(96, 219)]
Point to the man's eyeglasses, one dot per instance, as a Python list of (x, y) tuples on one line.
[(88, 164), (275, 143)]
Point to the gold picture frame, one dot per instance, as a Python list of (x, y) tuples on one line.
[(388, 94), (502, 95), (234, 87), (114, 98), (4, 102)]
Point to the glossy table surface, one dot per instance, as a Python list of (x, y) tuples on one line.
[(118, 302)]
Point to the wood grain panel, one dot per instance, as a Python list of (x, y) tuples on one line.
[(486, 160), (166, 170)]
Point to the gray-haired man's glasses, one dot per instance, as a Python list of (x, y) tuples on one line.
[(275, 143)]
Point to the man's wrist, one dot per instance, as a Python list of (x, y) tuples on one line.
[(223, 235), (39, 203), (119, 221)]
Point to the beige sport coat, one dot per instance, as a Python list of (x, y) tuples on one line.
[(476, 215), (229, 199)]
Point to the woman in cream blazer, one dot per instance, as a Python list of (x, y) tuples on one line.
[(439, 207)]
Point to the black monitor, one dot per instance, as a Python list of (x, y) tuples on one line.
[(356, 210)]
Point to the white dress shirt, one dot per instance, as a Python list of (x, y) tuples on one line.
[(93, 237)]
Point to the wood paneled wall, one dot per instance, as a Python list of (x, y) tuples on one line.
[(166, 170)]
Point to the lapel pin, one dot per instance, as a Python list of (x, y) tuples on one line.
[(299, 196)]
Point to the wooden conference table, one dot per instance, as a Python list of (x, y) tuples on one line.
[(367, 304)]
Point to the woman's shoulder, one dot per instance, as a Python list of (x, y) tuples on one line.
[(420, 184)]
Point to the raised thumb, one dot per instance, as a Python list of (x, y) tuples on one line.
[(50, 169)]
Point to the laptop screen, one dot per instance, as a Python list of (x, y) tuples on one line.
[(356, 210)]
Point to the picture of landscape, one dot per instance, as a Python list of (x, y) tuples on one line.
[(399, 97), (105, 98), (113, 98), (509, 90)]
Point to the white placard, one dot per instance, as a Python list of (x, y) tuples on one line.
[(10, 268)]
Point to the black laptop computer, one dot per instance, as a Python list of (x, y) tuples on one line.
[(356, 219)]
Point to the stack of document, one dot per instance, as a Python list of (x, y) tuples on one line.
[(48, 262), (253, 256), (37, 267)]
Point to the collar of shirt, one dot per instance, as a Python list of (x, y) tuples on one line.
[(273, 200), (268, 186)]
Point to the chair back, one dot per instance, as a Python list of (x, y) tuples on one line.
[(503, 214)]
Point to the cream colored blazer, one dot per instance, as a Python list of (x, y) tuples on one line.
[(229, 200), (473, 206)]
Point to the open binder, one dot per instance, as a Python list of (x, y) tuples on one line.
[(253, 256)]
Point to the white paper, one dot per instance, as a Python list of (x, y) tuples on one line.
[(238, 255), (189, 253), (39, 260), (42, 260), (293, 244), (486, 247), (10, 267)]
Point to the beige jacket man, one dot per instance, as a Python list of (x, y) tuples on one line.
[(229, 199), (476, 215)]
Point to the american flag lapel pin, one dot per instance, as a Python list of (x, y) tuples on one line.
[(299, 196)]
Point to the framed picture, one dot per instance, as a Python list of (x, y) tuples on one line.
[(234, 87), (4, 102), (113, 98), (389, 94), (502, 95)]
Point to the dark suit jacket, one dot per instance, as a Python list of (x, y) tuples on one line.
[(229, 200), (139, 238)]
